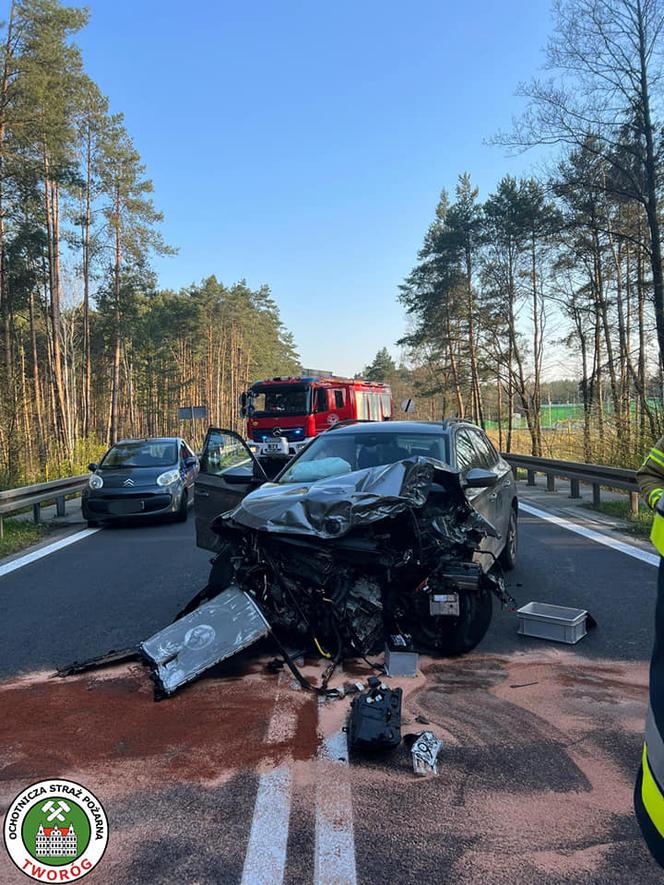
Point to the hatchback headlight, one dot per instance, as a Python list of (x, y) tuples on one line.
[(165, 479), (95, 481)]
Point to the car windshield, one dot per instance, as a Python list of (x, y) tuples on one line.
[(276, 401), (333, 454), (141, 454)]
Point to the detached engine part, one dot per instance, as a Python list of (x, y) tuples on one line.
[(400, 656), (210, 634), (375, 718), (424, 750)]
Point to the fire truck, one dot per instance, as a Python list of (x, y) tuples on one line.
[(284, 414)]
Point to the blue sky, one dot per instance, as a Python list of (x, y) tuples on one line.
[(304, 144)]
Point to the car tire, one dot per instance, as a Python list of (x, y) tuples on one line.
[(183, 510), (445, 636), (93, 524), (509, 552)]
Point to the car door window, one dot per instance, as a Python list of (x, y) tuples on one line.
[(465, 452), (484, 455), (221, 451)]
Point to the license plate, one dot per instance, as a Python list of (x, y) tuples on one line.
[(274, 448), (445, 604), (124, 508)]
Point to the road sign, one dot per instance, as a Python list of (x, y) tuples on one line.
[(192, 413)]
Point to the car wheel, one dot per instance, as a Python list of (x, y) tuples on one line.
[(448, 636), (183, 510), (93, 524), (509, 552)]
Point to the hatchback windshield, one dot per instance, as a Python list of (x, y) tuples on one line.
[(333, 454), (141, 454), (276, 401)]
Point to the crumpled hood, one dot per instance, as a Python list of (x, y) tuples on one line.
[(330, 508)]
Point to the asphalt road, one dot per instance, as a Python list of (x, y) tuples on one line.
[(109, 590), (541, 740)]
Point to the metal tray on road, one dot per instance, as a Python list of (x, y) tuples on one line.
[(556, 622)]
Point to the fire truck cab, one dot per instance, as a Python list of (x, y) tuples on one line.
[(284, 414)]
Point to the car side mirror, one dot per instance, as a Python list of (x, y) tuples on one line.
[(478, 478), (92, 467), (190, 462), (243, 405)]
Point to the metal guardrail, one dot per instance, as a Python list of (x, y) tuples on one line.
[(596, 475), (12, 500)]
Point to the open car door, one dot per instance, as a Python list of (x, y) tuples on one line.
[(229, 471)]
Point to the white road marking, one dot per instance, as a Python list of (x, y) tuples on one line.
[(598, 537), (335, 842), (265, 860), (45, 551)]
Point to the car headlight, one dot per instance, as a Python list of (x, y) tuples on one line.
[(165, 479), (95, 481)]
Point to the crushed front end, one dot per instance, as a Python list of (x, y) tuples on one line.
[(340, 564)]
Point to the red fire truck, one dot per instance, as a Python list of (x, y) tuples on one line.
[(283, 414)]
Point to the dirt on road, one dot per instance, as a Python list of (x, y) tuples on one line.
[(535, 782)]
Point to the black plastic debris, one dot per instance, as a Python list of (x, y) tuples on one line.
[(212, 633), (424, 748), (106, 660), (375, 718)]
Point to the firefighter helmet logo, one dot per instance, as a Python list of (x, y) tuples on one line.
[(56, 831)]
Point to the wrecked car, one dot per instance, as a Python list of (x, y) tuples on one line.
[(372, 530)]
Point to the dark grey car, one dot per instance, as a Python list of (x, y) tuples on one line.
[(375, 530), (141, 478)]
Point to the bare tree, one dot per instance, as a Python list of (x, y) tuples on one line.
[(605, 61)]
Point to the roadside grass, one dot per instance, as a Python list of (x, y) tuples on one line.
[(565, 443), (19, 534), (639, 525)]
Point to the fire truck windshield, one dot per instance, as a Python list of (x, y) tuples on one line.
[(275, 401)]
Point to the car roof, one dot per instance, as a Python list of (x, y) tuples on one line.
[(388, 427), (147, 439)]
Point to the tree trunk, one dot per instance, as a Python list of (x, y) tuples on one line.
[(651, 183), (117, 343)]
